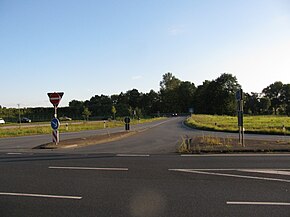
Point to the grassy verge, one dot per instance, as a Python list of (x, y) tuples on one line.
[(278, 125), (71, 127), (213, 144)]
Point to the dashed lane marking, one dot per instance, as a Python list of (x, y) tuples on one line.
[(40, 195), (257, 203), (132, 155), (88, 168)]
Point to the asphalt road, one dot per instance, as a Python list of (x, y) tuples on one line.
[(159, 137), (142, 176), (155, 185), (26, 143)]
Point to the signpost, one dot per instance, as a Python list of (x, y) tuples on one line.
[(127, 123), (55, 98), (240, 110), (190, 111), (54, 123)]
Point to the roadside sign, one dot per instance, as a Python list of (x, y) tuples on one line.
[(127, 120), (239, 95), (55, 98), (55, 123), (127, 123)]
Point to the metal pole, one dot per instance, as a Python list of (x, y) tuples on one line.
[(55, 111), (242, 118), (243, 138), (56, 131), (240, 135), (19, 115)]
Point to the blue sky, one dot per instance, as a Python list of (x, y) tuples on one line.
[(90, 47)]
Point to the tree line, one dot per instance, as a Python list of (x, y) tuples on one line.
[(217, 96)]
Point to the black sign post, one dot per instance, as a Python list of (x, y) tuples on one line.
[(240, 99), (127, 123)]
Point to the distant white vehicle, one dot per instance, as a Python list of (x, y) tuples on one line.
[(2, 121), (65, 118)]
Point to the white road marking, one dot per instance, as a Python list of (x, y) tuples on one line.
[(257, 203), (89, 168), (70, 146), (266, 171), (132, 155), (230, 175), (14, 153), (242, 169), (40, 195), (234, 155)]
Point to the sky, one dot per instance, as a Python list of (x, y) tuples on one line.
[(92, 47)]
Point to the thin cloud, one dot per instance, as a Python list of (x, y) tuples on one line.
[(137, 77), (176, 30)]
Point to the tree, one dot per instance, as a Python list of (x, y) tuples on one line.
[(274, 92), (225, 94), (76, 108), (169, 93), (285, 94), (86, 113), (285, 97), (217, 96), (122, 104), (100, 105), (264, 105), (133, 98), (200, 98), (186, 91), (252, 103), (150, 103), (138, 113), (169, 82), (114, 112)]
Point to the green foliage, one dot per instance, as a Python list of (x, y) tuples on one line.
[(217, 96), (175, 96), (273, 92), (86, 113), (114, 111)]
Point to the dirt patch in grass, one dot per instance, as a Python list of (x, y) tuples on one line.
[(85, 141), (209, 144)]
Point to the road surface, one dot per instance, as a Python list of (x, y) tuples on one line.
[(142, 176)]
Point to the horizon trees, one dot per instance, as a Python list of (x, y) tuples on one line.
[(174, 96)]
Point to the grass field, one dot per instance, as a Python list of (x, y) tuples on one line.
[(252, 124), (26, 130)]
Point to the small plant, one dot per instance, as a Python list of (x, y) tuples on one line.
[(185, 145), (204, 144), (211, 140)]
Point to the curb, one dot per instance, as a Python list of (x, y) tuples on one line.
[(82, 142)]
